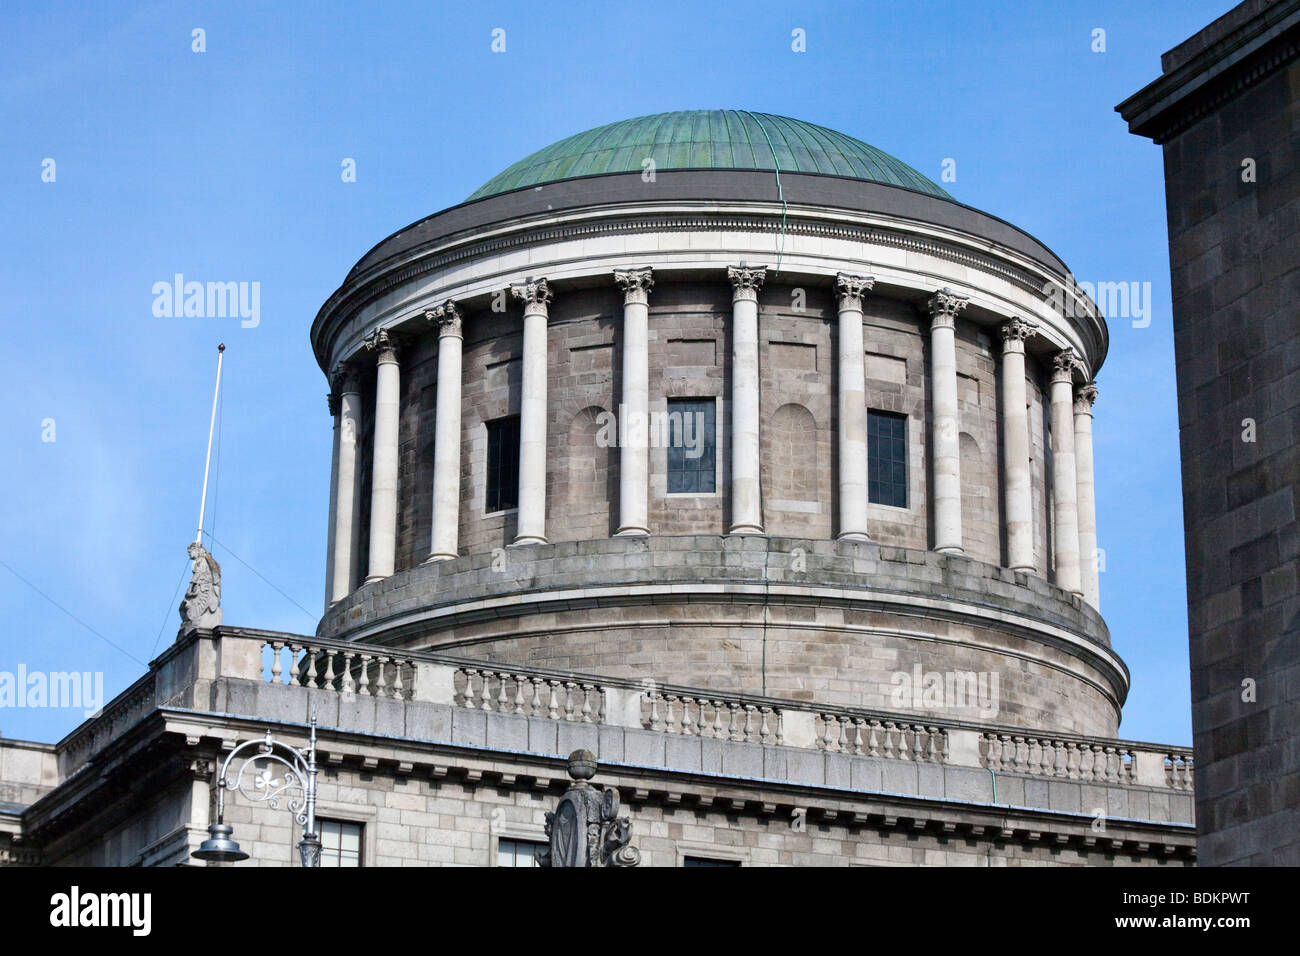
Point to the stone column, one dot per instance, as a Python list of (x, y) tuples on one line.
[(531, 528), (446, 434), (1065, 488), (852, 407), (746, 497), (945, 440), (1017, 489), (333, 399), (634, 452), (383, 485), (1090, 577), (347, 491)]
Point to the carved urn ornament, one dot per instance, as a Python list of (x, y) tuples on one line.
[(585, 829)]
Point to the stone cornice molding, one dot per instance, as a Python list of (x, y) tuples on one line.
[(448, 317), (635, 283), (852, 289), (944, 306), (363, 289)]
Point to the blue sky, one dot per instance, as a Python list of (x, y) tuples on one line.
[(225, 165)]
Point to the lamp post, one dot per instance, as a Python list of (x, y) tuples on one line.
[(260, 780)]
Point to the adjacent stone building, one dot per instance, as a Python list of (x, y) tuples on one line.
[(1227, 114), (720, 444)]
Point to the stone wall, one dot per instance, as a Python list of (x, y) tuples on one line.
[(1226, 113), (809, 619)]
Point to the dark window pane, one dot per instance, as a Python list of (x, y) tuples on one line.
[(691, 433), (503, 464), (887, 459)]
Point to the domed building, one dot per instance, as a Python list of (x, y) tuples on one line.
[(720, 444), (731, 400)]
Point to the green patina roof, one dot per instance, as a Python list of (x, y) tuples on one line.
[(709, 139)]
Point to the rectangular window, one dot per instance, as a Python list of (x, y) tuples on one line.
[(503, 464), (692, 446), (705, 861), (340, 843), (517, 852), (887, 459)]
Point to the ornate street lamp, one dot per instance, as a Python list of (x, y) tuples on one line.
[(275, 773)]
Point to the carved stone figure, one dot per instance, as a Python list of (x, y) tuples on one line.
[(201, 606), (585, 829)]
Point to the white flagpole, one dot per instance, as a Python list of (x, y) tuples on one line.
[(198, 539)]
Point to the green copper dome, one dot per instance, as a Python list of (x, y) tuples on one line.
[(709, 139)]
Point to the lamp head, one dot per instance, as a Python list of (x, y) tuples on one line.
[(219, 847)]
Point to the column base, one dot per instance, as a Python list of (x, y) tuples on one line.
[(634, 530), (527, 539), (1024, 569), (746, 529), (853, 536), (371, 579), (952, 549), (440, 556)]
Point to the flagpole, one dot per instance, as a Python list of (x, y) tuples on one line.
[(198, 538)]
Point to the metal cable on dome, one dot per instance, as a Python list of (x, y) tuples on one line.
[(780, 193)]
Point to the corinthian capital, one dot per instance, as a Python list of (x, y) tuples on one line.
[(943, 307), (1063, 365), (849, 286), (1084, 396), (384, 343), (746, 280), (345, 378), (635, 283), (534, 293), (1014, 333), (448, 318)]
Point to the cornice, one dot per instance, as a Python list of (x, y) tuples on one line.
[(369, 286)]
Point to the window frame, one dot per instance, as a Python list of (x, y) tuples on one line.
[(669, 401), (904, 419), (511, 424)]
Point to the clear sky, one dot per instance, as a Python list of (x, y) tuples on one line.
[(225, 165)]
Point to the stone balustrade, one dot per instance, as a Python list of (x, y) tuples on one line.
[(365, 670), (191, 674)]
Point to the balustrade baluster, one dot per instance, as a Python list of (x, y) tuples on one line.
[(553, 708), (276, 647), (519, 695), (363, 681), (764, 732), (688, 725), (873, 739), (381, 682), (349, 686)]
